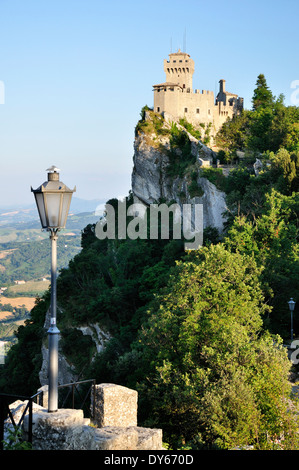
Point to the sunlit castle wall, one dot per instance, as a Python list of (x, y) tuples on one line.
[(176, 99)]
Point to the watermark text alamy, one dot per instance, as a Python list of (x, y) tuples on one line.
[(153, 222)]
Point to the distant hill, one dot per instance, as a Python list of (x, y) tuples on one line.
[(12, 214), (24, 247), (30, 230), (83, 205)]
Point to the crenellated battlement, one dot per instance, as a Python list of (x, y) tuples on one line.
[(175, 97)]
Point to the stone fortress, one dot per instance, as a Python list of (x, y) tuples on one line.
[(175, 98)]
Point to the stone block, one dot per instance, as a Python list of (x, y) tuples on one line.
[(115, 405), (149, 439), (54, 431), (17, 410), (44, 396), (115, 438)]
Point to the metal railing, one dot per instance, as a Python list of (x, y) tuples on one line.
[(5, 413), (7, 399), (74, 388)]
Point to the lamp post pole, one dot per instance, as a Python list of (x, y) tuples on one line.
[(53, 200), (291, 307), (53, 332), (291, 325)]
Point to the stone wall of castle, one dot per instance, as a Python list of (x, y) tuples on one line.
[(176, 98)]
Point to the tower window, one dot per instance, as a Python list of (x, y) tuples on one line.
[(197, 111), (186, 110)]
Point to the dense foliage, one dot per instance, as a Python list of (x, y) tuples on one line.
[(199, 334), (267, 127), (215, 379), (20, 375)]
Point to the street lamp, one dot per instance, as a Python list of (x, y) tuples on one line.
[(291, 307), (53, 199)]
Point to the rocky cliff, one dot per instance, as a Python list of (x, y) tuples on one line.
[(152, 182), (66, 371)]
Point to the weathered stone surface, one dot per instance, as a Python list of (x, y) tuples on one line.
[(97, 334), (67, 429), (115, 406), (132, 438), (54, 431), (115, 438), (17, 409), (149, 439), (151, 183), (66, 372), (44, 396)]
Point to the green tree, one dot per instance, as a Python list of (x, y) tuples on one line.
[(210, 377), (260, 130), (269, 126), (283, 169), (234, 133), (271, 238), (20, 373), (262, 95)]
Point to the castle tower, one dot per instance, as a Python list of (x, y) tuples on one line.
[(179, 69), (222, 93), (175, 98), (222, 86)]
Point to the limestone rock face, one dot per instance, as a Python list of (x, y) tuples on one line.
[(214, 204), (151, 183), (66, 372)]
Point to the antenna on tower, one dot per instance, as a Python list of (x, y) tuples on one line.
[(170, 45), (184, 42)]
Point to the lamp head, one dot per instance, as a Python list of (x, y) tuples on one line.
[(291, 304), (53, 199)]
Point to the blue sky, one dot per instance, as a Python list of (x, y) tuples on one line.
[(77, 73)]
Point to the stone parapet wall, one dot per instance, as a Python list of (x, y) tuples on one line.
[(114, 427), (67, 429)]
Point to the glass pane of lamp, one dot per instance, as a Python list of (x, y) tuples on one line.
[(39, 197), (53, 209), (65, 208)]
